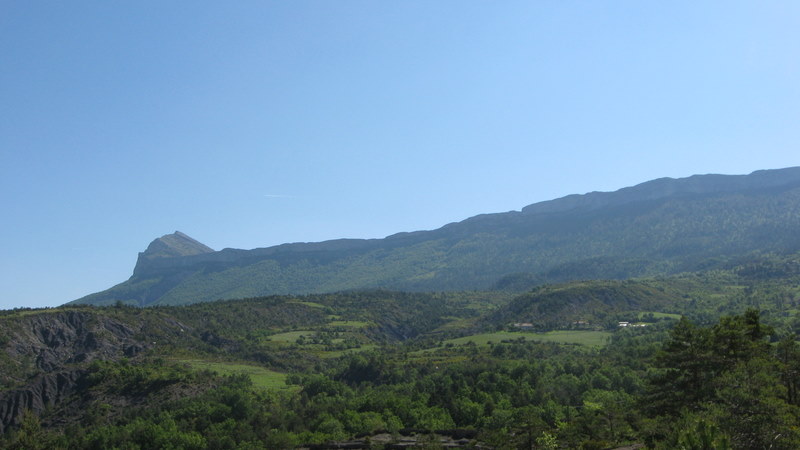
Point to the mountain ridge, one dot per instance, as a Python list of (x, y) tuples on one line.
[(664, 187), (662, 225)]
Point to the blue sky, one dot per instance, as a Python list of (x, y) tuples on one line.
[(249, 124)]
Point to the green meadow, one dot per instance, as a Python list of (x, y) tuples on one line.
[(579, 337), (311, 304), (261, 377), (348, 323)]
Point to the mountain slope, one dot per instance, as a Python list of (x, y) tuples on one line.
[(658, 227)]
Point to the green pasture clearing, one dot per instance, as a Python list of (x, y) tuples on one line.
[(348, 323), (311, 304), (290, 336), (261, 377), (581, 337)]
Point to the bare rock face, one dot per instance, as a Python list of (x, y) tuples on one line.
[(172, 245), (45, 391), (53, 341), (51, 350)]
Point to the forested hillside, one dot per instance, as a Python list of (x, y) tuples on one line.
[(707, 359), (661, 227)]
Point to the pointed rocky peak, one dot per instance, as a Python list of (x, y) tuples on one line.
[(172, 245)]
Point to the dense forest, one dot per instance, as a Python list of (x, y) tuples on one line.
[(705, 360)]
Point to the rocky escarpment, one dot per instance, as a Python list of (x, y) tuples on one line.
[(169, 246), (55, 340), (44, 391), (45, 355)]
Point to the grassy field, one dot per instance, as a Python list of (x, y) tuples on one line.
[(261, 377), (311, 304), (348, 324), (290, 336), (580, 337)]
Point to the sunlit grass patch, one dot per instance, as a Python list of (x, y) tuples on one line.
[(579, 337), (311, 304), (260, 376), (348, 323)]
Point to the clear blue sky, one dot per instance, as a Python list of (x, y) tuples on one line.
[(249, 124)]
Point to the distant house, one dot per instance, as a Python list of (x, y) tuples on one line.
[(523, 326), (581, 323), (624, 324)]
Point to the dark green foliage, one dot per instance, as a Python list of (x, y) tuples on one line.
[(702, 435), (600, 303), (158, 432), (723, 376), (29, 435), (687, 370), (788, 353), (730, 375)]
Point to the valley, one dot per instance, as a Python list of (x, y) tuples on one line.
[(317, 371), (399, 225), (663, 316)]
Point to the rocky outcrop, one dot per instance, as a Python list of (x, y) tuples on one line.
[(173, 245), (52, 350), (55, 340), (45, 391)]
